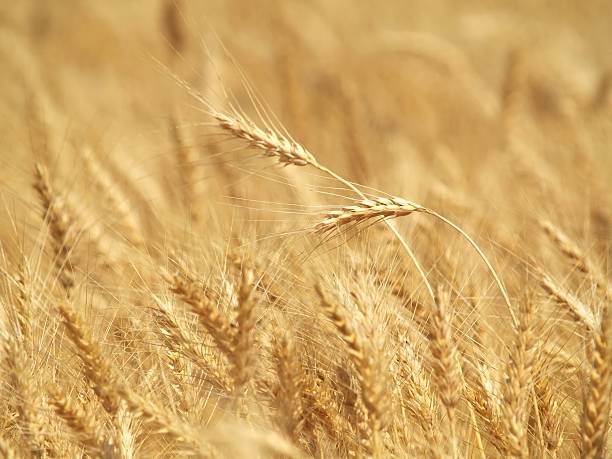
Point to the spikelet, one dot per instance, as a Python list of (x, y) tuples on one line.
[(577, 310)]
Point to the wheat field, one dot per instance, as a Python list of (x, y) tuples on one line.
[(327, 229)]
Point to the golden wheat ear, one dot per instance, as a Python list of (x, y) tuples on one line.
[(368, 209), (61, 226), (373, 382), (445, 362), (518, 384), (291, 386), (28, 403), (596, 398), (208, 313), (79, 422)]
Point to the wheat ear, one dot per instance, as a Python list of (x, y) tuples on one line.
[(445, 363), (572, 252), (178, 339), (28, 402), (118, 201), (367, 209), (272, 143), (78, 421), (596, 403), (22, 301), (97, 369), (373, 391), (517, 386), (243, 338), (577, 310), (291, 382), (207, 312), (60, 226)]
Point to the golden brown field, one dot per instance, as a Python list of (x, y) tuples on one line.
[(328, 229)]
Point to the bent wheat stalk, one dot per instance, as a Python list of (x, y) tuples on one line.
[(393, 207), (288, 152), (274, 143)]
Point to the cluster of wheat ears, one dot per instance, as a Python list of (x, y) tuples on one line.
[(379, 327)]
